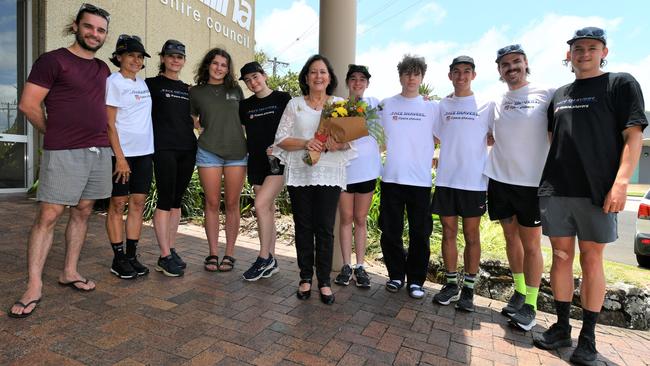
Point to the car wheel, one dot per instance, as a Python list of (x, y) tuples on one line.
[(643, 260)]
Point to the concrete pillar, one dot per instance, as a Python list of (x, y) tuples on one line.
[(338, 37), (338, 42)]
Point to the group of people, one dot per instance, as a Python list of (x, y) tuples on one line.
[(538, 160)]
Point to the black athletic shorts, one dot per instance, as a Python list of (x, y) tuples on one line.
[(458, 202), (361, 187), (259, 168), (507, 200), (139, 179)]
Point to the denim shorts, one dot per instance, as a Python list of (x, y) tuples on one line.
[(207, 159)]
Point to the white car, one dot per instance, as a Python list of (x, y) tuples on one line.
[(642, 238)]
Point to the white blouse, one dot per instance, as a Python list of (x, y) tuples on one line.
[(299, 120)]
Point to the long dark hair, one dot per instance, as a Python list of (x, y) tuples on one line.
[(302, 77), (202, 74)]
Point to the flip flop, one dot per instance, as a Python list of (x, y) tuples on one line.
[(23, 315), (73, 285)]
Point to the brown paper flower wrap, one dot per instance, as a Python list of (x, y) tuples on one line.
[(344, 121)]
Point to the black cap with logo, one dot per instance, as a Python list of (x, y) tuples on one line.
[(173, 47)]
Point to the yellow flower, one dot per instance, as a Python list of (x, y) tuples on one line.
[(341, 111), (334, 114)]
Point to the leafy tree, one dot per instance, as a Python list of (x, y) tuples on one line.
[(287, 82)]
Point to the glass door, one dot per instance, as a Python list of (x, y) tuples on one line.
[(16, 139)]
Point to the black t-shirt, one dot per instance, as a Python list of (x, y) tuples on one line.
[(587, 118), (261, 117), (173, 128)]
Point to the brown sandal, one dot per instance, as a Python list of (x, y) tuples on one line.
[(227, 263), (211, 260)]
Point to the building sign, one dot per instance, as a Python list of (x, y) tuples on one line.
[(241, 15)]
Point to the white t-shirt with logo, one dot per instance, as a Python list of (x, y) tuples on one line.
[(133, 119), (408, 128), (367, 165), (462, 130), (520, 136)]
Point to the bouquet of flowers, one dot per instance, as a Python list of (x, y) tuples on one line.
[(343, 121)]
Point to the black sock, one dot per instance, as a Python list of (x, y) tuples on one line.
[(563, 309), (131, 247), (118, 249), (589, 319)]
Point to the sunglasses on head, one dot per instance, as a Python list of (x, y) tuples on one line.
[(92, 9), (124, 37), (590, 32), (175, 47), (509, 49), (357, 67)]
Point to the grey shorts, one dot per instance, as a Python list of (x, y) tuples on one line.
[(571, 216), (68, 176)]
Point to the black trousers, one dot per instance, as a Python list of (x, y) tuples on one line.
[(414, 263), (314, 212)]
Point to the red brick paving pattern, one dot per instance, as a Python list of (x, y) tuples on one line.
[(219, 319)]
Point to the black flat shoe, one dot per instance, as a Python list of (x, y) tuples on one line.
[(325, 299), (304, 295)]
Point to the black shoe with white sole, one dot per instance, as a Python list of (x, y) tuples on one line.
[(524, 319), (515, 303), (450, 292), (168, 266), (122, 268), (466, 300), (555, 337)]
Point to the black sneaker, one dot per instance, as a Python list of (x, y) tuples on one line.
[(524, 319), (122, 268), (466, 300), (140, 268), (343, 279), (177, 259), (555, 337), (514, 304), (361, 277), (585, 353), (450, 292), (168, 266), (270, 271), (256, 271)]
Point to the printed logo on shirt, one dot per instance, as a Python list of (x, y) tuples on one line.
[(264, 111), (461, 115), (168, 93), (408, 116), (520, 104), (575, 103), (140, 94)]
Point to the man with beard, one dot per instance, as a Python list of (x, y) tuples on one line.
[(514, 168), (596, 124), (76, 162)]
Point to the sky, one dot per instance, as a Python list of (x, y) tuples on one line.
[(441, 30)]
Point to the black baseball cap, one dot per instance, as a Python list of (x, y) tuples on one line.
[(589, 33), (173, 47), (352, 68), (513, 48), (462, 60), (250, 68)]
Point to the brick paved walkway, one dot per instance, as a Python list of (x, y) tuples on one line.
[(217, 318)]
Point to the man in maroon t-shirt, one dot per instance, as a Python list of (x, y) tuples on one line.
[(75, 167)]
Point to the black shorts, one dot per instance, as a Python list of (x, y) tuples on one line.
[(259, 168), (507, 200), (361, 187), (458, 202), (173, 170), (139, 179)]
